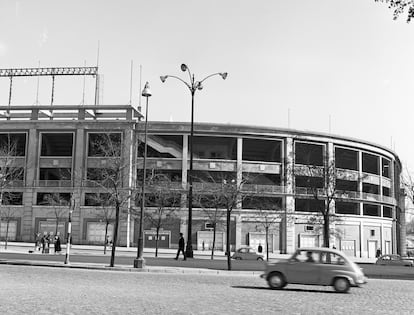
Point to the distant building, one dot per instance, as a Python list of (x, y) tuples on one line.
[(54, 150)]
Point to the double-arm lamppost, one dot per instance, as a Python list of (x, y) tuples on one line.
[(193, 86), (139, 262)]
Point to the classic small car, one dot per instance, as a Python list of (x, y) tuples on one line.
[(315, 266)]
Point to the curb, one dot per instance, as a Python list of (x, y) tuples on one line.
[(148, 269)]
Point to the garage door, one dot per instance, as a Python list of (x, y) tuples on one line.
[(11, 234), (95, 232)]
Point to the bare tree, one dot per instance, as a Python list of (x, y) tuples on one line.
[(227, 191), (213, 208), (400, 7), (9, 173), (268, 216), (60, 206), (111, 179), (321, 182), (163, 199), (7, 214), (105, 212)]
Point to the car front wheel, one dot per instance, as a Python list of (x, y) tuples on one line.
[(276, 280), (341, 285), (260, 258)]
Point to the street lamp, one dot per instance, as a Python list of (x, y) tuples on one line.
[(139, 262), (193, 86)]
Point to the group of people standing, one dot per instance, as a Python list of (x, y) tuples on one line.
[(43, 243)]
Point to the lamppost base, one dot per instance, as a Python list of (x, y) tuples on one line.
[(189, 252), (139, 263)]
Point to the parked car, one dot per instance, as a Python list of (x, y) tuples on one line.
[(315, 266), (247, 253), (394, 260)]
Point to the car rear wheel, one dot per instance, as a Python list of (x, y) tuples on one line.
[(276, 280), (238, 258), (260, 258), (341, 285)]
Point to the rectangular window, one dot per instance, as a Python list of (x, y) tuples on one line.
[(55, 174), (372, 232), (12, 198), (308, 154), (53, 199), (386, 164), (309, 205), (105, 144), (346, 185), (222, 148), (262, 203), (262, 150), (370, 188), (371, 210), (262, 179), (98, 199), (347, 208), (13, 144), (56, 144), (310, 182), (346, 159), (386, 191), (370, 163), (387, 212), (165, 146)]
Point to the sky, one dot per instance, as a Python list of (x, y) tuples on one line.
[(344, 66)]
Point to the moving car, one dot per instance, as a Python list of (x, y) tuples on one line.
[(315, 266), (395, 260), (247, 253)]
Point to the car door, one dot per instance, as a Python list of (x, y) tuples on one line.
[(302, 270)]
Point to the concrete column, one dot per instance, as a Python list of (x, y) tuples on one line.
[(29, 198), (238, 230), (78, 171), (289, 223), (184, 169), (363, 252), (239, 169), (331, 184), (130, 156)]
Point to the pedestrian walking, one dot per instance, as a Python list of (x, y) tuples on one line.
[(181, 247), (260, 248), (58, 247), (44, 242), (38, 241), (378, 254)]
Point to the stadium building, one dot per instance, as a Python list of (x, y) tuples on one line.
[(279, 171)]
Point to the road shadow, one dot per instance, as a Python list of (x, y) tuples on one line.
[(284, 289)]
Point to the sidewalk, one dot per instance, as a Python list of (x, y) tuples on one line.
[(25, 248)]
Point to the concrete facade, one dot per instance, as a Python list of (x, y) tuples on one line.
[(273, 164)]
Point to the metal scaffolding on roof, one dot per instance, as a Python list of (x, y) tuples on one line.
[(51, 71), (26, 72)]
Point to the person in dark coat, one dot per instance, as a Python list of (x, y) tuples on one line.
[(58, 248), (181, 247)]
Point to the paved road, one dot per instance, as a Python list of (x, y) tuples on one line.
[(370, 270), (35, 290)]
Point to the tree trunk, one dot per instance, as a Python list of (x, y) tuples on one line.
[(267, 243), (106, 236), (214, 242), (57, 225), (7, 234), (228, 241), (156, 241), (115, 238), (326, 230)]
